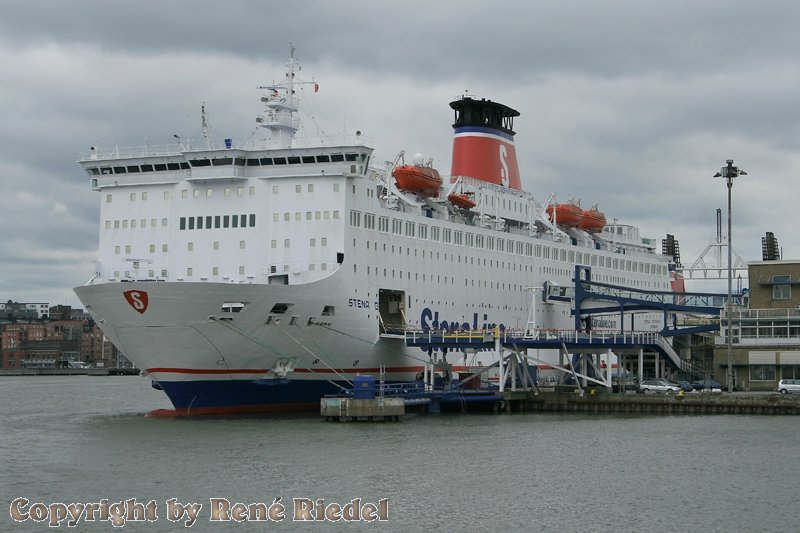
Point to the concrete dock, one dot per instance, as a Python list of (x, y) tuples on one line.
[(697, 403)]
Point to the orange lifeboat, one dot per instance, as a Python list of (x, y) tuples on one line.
[(592, 220), (568, 214), (461, 200), (418, 179)]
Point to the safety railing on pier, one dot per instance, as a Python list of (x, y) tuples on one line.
[(547, 338)]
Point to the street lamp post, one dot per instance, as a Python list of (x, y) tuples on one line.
[(728, 172)]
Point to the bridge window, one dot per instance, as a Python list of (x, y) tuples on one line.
[(781, 288)]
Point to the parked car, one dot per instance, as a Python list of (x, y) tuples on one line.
[(707, 384), (658, 385), (685, 386), (786, 386)]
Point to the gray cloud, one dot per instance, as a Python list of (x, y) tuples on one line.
[(632, 105)]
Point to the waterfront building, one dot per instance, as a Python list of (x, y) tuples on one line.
[(49, 342), (766, 331), (24, 311)]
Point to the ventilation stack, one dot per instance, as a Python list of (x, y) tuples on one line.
[(770, 251)]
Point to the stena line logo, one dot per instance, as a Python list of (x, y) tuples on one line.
[(137, 300)]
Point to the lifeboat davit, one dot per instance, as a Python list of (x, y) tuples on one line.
[(592, 220), (568, 214), (461, 200), (418, 179)]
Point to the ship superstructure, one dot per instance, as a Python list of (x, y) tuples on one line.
[(260, 276)]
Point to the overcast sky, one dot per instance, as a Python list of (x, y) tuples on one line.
[(633, 105)]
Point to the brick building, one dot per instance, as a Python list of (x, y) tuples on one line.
[(765, 333)]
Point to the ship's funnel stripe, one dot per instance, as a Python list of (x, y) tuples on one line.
[(477, 131)]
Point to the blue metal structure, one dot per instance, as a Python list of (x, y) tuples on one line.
[(627, 299)]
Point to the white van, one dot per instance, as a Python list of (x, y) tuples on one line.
[(788, 385)]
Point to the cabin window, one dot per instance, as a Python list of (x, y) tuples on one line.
[(308, 159), (200, 162), (277, 161), (293, 160), (266, 161), (337, 158), (781, 288), (254, 162), (323, 159), (147, 168)]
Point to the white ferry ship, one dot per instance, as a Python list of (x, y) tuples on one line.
[(260, 276)]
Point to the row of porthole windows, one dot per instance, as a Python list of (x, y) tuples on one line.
[(310, 215), (132, 223), (399, 274), (151, 248), (150, 274), (503, 265), (196, 193), (298, 188), (490, 242), (312, 242)]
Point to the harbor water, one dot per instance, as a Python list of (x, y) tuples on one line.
[(68, 439)]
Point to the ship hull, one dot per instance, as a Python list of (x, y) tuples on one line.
[(231, 396)]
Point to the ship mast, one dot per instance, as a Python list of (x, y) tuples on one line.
[(280, 117)]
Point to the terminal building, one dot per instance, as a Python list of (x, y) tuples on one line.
[(766, 331)]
